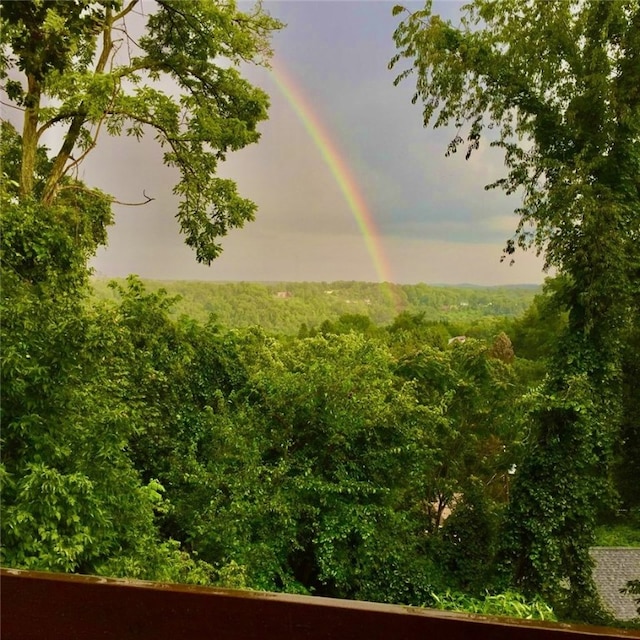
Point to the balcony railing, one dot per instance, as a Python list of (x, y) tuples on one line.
[(60, 606)]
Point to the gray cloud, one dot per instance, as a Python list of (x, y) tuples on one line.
[(437, 222)]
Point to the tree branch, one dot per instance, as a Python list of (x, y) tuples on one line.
[(94, 141), (77, 187), (29, 135), (147, 200), (55, 120), (12, 106), (59, 167), (125, 11)]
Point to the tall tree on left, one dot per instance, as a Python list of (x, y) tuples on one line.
[(73, 498), (77, 66)]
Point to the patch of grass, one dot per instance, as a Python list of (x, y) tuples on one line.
[(618, 535)]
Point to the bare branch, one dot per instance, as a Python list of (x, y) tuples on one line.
[(107, 44), (12, 106), (147, 200), (78, 187)]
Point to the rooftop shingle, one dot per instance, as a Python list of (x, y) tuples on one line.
[(614, 567)]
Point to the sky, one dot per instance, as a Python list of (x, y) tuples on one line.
[(429, 218)]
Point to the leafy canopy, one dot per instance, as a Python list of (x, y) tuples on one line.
[(557, 83), (84, 67)]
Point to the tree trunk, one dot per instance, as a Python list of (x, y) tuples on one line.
[(59, 164), (30, 136), (57, 171)]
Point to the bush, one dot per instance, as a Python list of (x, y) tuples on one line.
[(509, 603)]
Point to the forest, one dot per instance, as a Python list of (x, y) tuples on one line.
[(450, 448), (285, 307)]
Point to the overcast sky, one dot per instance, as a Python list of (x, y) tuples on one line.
[(436, 222)]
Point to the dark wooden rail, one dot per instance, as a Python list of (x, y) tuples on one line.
[(69, 607)]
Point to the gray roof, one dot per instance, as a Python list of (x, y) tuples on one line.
[(614, 567)]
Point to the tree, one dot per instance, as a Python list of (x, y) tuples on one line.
[(502, 349), (556, 87), (538, 330), (633, 588), (475, 440), (72, 497), (628, 446), (346, 449), (78, 67)]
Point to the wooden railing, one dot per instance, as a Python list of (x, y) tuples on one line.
[(58, 606)]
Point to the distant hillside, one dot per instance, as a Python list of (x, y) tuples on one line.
[(285, 306)]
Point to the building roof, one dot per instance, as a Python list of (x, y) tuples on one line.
[(614, 567)]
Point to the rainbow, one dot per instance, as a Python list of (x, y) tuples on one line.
[(339, 169)]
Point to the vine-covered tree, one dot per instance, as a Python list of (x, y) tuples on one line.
[(559, 86), (78, 67)]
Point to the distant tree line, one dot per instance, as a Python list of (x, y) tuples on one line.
[(285, 307)]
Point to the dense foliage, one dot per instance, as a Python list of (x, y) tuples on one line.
[(327, 463), (400, 455), (554, 86), (176, 450)]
